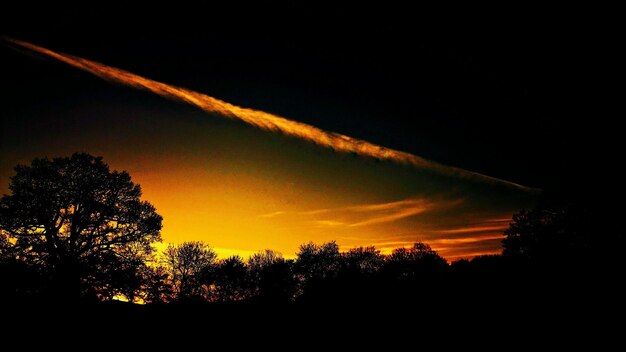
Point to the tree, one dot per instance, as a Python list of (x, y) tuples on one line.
[(317, 267), (363, 260), (18, 279), (68, 212), (229, 279), (417, 261), (121, 275), (5, 248), (189, 264), (551, 233), (261, 260), (259, 265), (569, 243), (319, 261), (157, 287), (571, 224), (271, 277)]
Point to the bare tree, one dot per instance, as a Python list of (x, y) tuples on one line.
[(264, 259), (187, 263)]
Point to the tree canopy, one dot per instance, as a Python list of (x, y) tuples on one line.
[(69, 213)]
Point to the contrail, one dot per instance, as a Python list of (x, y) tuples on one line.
[(261, 119)]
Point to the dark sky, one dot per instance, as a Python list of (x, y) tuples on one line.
[(490, 95)]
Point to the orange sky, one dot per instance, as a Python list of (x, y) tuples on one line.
[(242, 190), (239, 211)]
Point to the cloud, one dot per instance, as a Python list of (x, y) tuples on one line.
[(328, 223), (396, 214), (463, 240), (375, 213), (478, 228), (472, 229), (478, 237), (271, 215), (366, 214), (264, 120), (468, 241)]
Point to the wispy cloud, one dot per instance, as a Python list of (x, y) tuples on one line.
[(455, 241), (411, 202), (273, 214), (328, 223), (365, 214), (374, 213), (396, 214), (478, 237), (472, 229)]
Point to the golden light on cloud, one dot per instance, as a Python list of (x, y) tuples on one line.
[(378, 213)]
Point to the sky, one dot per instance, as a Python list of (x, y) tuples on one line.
[(478, 99)]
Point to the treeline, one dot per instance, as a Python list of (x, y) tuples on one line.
[(72, 230), (191, 272)]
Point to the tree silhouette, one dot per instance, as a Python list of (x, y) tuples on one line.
[(317, 267), (566, 244), (5, 248), (363, 261), (417, 261), (550, 233), (229, 280), (69, 213), (258, 266), (189, 265), (121, 275), (271, 277), (267, 258), (157, 288), (318, 261), (16, 277), (570, 225)]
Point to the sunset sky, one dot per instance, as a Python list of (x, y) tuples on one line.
[(243, 189)]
